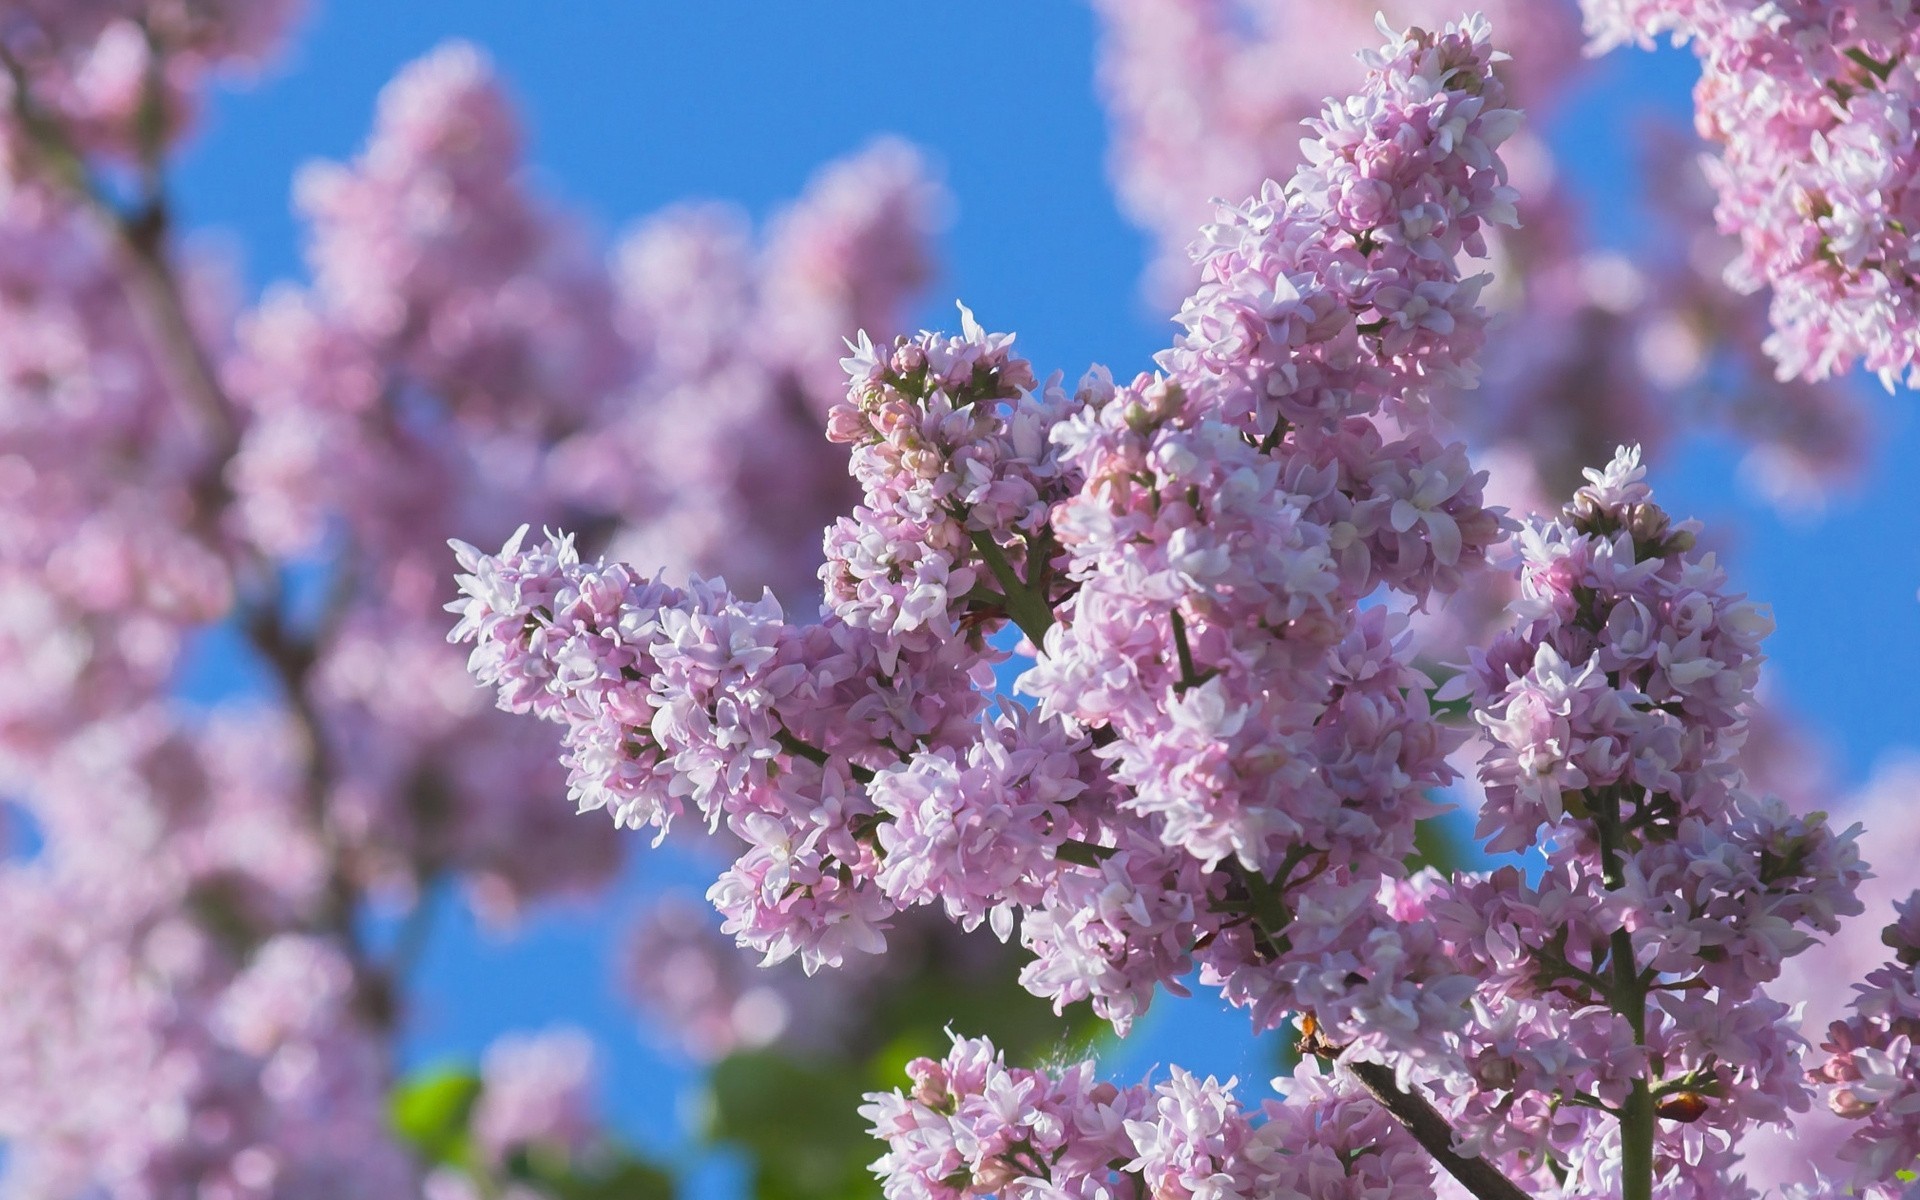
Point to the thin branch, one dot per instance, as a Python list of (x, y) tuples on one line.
[(158, 304), (1430, 1129), (1029, 611)]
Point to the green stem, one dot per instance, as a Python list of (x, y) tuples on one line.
[(1629, 999), (1281, 426), (1083, 854), (1189, 678), (815, 755), (1878, 69), (1636, 1115), (1419, 1117), (1029, 611)]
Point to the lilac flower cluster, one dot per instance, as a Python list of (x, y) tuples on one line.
[(165, 1029), (122, 77), (1873, 1068), (1228, 755), (717, 438), (1591, 348), (1628, 980), (970, 1126), (190, 1007), (1231, 748), (1814, 105)]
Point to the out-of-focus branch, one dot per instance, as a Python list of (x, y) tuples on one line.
[(143, 240), (152, 285)]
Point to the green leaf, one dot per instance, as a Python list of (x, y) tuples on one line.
[(629, 1179), (429, 1111), (799, 1123)]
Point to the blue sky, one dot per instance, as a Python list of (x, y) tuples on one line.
[(632, 106)]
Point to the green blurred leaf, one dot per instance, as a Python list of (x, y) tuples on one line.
[(1445, 843), (430, 1109), (800, 1124), (628, 1179)]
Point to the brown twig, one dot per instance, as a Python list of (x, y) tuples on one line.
[(1430, 1129)]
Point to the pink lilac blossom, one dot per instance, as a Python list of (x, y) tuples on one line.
[(111, 553), (1812, 105), (121, 77), (717, 440), (457, 353), (1232, 748), (1236, 510), (1591, 349), (970, 1125), (1262, 500), (1671, 897), (184, 977), (166, 1033), (1873, 1073), (1823, 982)]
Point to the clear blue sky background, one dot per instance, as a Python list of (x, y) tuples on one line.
[(632, 106)]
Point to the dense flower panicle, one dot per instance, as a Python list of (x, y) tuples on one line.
[(1233, 513), (288, 473), (970, 1125), (1233, 747), (1873, 1071), (452, 368), (1630, 664), (109, 556), (1588, 349), (678, 698), (1343, 292), (1813, 104), (1207, 96), (1639, 961), (1190, 577), (453, 324), (1264, 724)]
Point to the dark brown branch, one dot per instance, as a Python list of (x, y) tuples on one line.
[(1431, 1130)]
